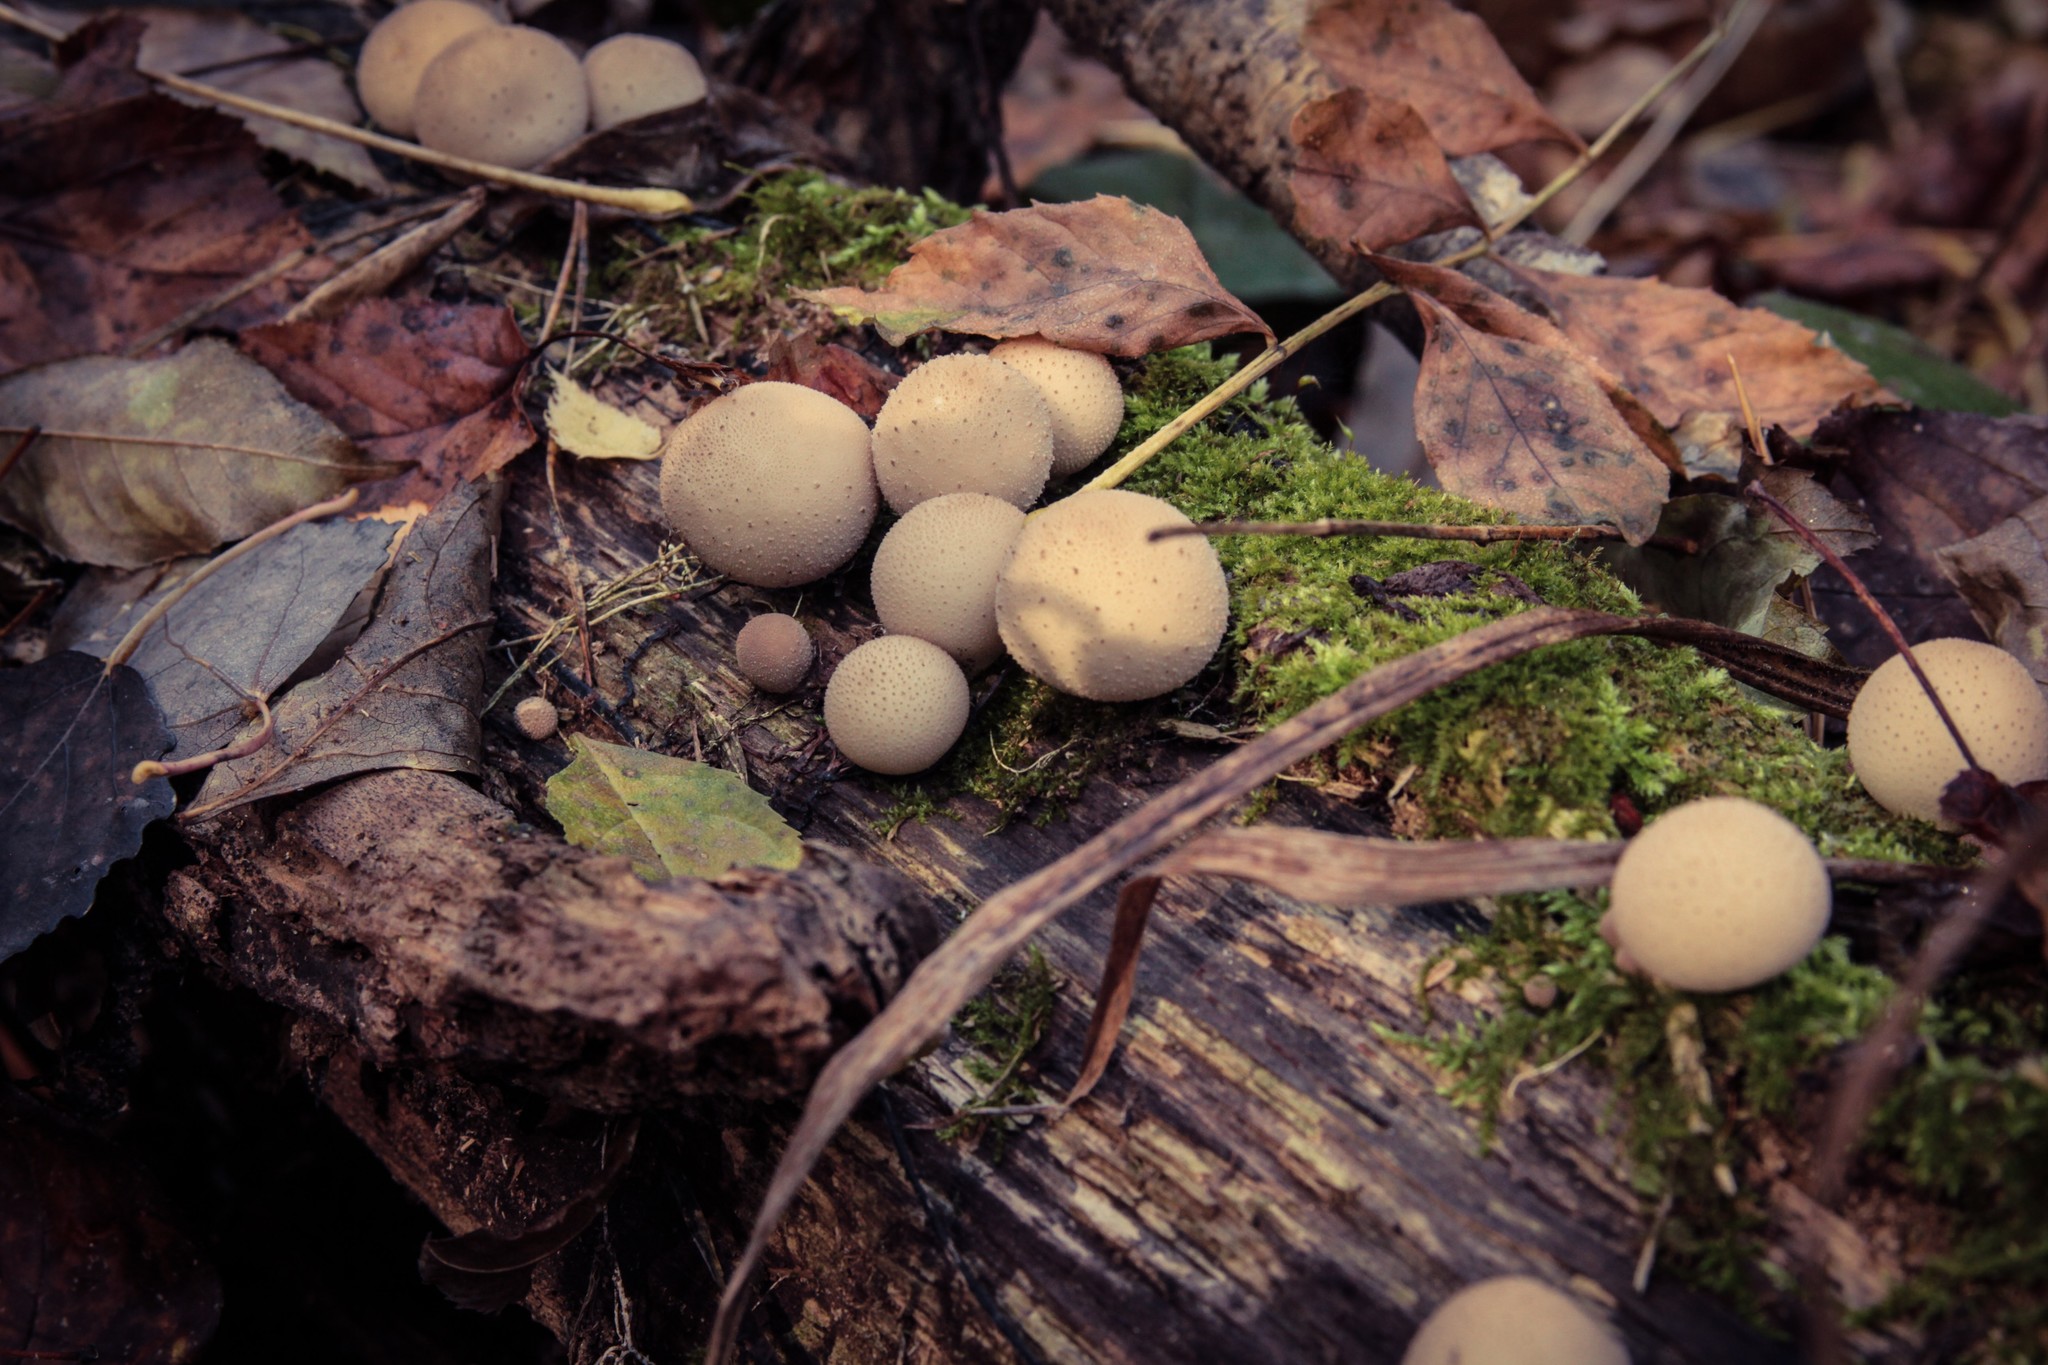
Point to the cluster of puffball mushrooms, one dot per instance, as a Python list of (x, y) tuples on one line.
[(450, 74)]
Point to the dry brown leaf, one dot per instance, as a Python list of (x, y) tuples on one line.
[(1057, 104), (2003, 574), (1104, 275), (832, 369), (1442, 61), (1367, 173)]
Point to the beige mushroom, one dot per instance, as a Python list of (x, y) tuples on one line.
[(1718, 894), (895, 705), (635, 74), (536, 718), (1080, 388), (1093, 606), (401, 46), (963, 424), (1905, 756), (935, 574), (1513, 1320), (507, 95), (771, 484), (774, 652)]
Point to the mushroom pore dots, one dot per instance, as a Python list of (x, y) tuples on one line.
[(771, 484), (1089, 604), (935, 574), (895, 705), (633, 75), (963, 424), (401, 46), (511, 96), (1513, 1320), (1905, 756), (774, 652), (1718, 894), (1080, 388)]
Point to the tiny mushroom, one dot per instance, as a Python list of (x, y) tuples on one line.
[(1513, 1320), (401, 46), (1719, 894), (1089, 603), (896, 704), (536, 718), (1905, 756), (634, 75), (775, 652), (770, 485), (507, 95), (963, 424), (1082, 390), (935, 574)]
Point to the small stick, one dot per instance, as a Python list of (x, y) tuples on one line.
[(152, 768), (1481, 535), (25, 438)]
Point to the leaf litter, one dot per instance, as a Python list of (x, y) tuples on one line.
[(671, 816)]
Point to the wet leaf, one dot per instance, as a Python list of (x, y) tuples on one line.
[(245, 630), (1671, 347), (171, 457), (1366, 172), (405, 694), (832, 369), (1438, 59), (2003, 575), (1102, 275), (1521, 421), (69, 736), (672, 817), (584, 424), (430, 384), (1895, 357)]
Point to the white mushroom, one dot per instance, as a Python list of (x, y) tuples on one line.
[(935, 574), (1905, 756), (1513, 1320), (895, 705), (507, 95), (774, 652), (1080, 388), (963, 424), (401, 46), (635, 74)]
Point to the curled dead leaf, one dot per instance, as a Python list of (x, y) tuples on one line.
[(1368, 174)]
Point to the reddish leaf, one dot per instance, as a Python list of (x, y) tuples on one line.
[(1442, 61), (1367, 173), (1057, 104), (1105, 275), (1511, 415), (431, 384), (1671, 347), (832, 369)]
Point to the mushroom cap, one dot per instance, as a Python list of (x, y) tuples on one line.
[(1093, 607), (508, 95), (536, 717), (775, 652), (963, 424), (1904, 755), (1718, 894), (896, 704), (935, 574), (771, 484), (1513, 1320), (401, 46), (1080, 388), (635, 74)]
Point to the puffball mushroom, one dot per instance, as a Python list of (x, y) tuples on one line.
[(508, 95), (1513, 1320), (634, 75), (401, 46), (896, 704), (1905, 756), (775, 652), (536, 718), (963, 424), (1082, 391), (1718, 894), (935, 574), (771, 484), (1089, 603)]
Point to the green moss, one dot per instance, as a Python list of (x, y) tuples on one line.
[(1003, 1025)]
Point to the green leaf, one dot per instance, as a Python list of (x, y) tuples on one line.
[(1898, 359), (672, 817)]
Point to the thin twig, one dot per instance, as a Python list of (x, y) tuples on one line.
[(24, 438), (1479, 535), (151, 768)]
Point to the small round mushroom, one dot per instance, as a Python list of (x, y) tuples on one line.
[(935, 574), (963, 424), (507, 95), (1513, 1320), (896, 704), (401, 46), (1905, 756), (770, 485), (635, 74), (536, 718), (1093, 606), (775, 652), (1082, 390), (1718, 894)]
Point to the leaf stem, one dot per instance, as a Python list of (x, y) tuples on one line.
[(152, 768)]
